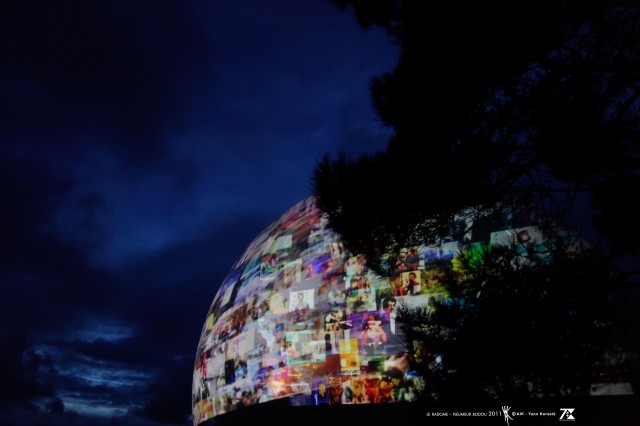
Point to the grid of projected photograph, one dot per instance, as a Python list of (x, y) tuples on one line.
[(300, 317)]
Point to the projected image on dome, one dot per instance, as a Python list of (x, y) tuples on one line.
[(300, 317)]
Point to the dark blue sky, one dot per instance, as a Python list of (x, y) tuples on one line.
[(143, 145)]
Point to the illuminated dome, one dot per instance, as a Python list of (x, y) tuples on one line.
[(301, 329), (299, 317)]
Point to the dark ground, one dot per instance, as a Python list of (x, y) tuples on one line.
[(592, 411)]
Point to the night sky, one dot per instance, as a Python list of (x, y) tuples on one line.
[(144, 144)]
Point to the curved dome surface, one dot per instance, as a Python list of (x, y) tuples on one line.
[(299, 317)]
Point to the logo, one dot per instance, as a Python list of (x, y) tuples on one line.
[(507, 417), (567, 415)]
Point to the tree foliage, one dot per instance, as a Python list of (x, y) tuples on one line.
[(497, 108), (528, 324), (527, 102)]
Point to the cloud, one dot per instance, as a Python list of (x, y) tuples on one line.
[(78, 73), (44, 273), (146, 144), (170, 400), (93, 341), (26, 375)]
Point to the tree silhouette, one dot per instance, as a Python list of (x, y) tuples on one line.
[(498, 108), (517, 323), (495, 103)]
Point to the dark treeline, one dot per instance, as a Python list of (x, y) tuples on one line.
[(502, 106), (534, 102)]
